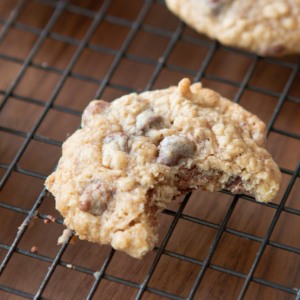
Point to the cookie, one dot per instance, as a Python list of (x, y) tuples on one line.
[(265, 27), (136, 154)]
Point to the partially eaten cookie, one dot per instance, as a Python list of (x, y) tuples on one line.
[(136, 154)]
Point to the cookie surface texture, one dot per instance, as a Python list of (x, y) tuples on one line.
[(266, 27), (136, 154)]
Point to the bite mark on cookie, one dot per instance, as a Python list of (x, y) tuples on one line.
[(192, 178), (235, 185)]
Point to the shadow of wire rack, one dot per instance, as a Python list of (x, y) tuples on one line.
[(55, 56)]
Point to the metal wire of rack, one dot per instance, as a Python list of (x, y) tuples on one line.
[(141, 288)]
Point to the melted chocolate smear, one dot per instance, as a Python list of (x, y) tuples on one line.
[(235, 185)]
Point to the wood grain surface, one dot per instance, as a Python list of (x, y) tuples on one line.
[(73, 277)]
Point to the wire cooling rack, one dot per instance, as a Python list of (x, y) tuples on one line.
[(55, 56)]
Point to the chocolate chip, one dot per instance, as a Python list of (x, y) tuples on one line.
[(173, 148), (84, 205), (94, 199), (118, 141), (95, 107), (149, 120)]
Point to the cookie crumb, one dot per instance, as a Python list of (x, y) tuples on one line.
[(50, 218), (21, 227), (96, 275), (64, 237), (34, 249), (30, 223)]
